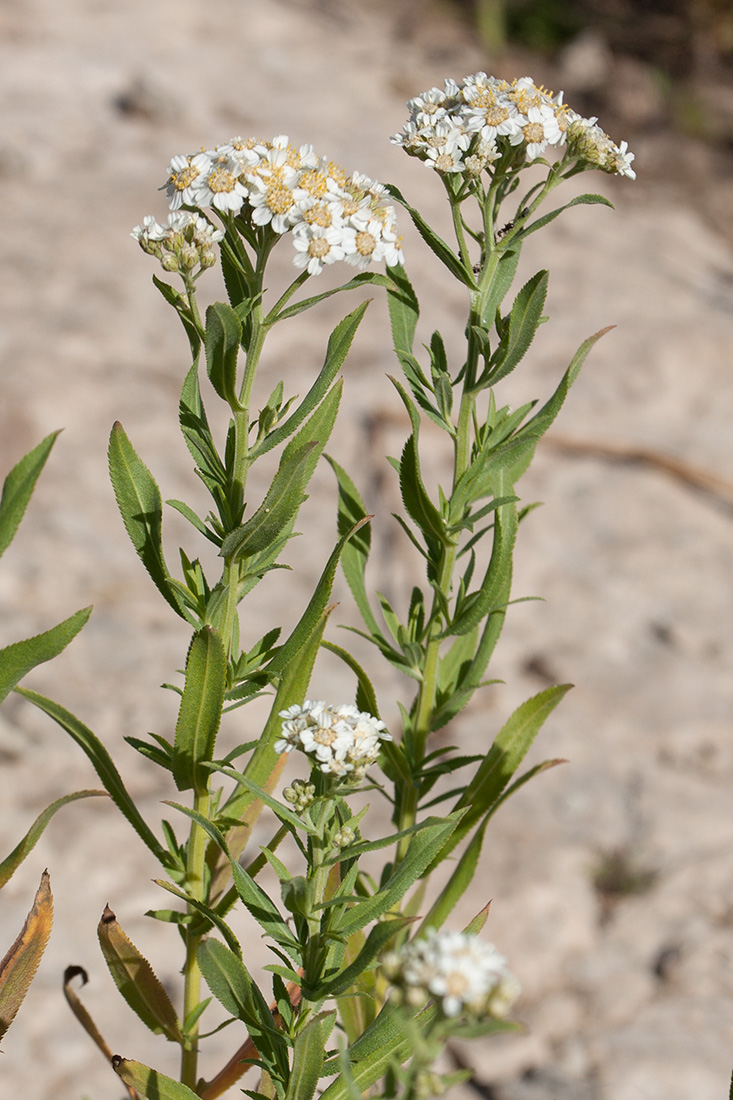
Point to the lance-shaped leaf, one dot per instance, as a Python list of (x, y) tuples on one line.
[(20, 657), (18, 967), (200, 712), (103, 765), (18, 487), (579, 200), (510, 746), (433, 835), (435, 243), (180, 303), (231, 983), (502, 279), (280, 506), (11, 863), (139, 501), (221, 341), (415, 496), (384, 1042), (404, 310), (338, 347), (352, 511), (377, 940), (523, 322), (150, 1083), (136, 980), (308, 1056), (197, 433)]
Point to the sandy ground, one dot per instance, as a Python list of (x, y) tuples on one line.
[(625, 999)]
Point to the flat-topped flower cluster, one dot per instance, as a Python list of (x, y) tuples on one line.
[(466, 128), (331, 215), (344, 740), (457, 969)]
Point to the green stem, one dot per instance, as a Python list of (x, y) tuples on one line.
[(195, 884)]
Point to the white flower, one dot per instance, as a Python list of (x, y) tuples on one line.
[(272, 197), (538, 128), (183, 173), (457, 969), (342, 739), (315, 245), (185, 243), (221, 185)]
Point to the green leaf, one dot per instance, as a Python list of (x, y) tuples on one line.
[(377, 940), (20, 963), (351, 511), (432, 837), (278, 509), (366, 698), (18, 487), (308, 1054), (136, 980), (384, 1042), (210, 915), (199, 716), (222, 340), (197, 433), (435, 243), (524, 320), (262, 908), (149, 1082), (232, 985), (517, 453), (103, 765), (315, 609), (415, 496), (502, 760), (281, 811), (502, 279), (404, 310), (579, 200), (174, 298), (138, 499), (11, 863), (339, 344), (364, 278), (20, 657)]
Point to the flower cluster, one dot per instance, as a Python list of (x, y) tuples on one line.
[(465, 128), (331, 215), (459, 970), (184, 244), (344, 741)]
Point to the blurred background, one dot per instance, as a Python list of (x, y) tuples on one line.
[(611, 878)]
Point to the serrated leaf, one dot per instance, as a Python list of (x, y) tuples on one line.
[(18, 488), (231, 983), (222, 339), (136, 980), (103, 765), (524, 320), (351, 511), (339, 344), (579, 200), (308, 1054), (404, 309), (11, 862), (20, 963), (509, 748), (415, 496), (199, 716), (150, 1083), (423, 847), (20, 657), (436, 244), (139, 501)]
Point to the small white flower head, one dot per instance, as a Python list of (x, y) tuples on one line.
[(183, 245), (459, 971), (221, 185), (589, 143), (343, 740), (316, 245), (183, 174)]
